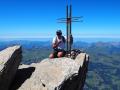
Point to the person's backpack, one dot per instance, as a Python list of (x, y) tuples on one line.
[(63, 38)]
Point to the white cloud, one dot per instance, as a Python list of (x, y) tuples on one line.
[(97, 35)]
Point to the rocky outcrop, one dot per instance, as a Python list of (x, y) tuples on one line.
[(53, 74), (10, 59), (50, 74)]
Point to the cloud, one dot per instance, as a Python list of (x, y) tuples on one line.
[(97, 35)]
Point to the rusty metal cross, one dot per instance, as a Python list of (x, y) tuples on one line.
[(68, 21)]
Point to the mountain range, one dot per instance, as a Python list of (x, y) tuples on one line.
[(103, 72)]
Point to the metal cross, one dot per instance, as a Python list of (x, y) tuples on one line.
[(68, 20)]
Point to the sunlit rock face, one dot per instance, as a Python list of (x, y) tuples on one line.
[(53, 74), (10, 59)]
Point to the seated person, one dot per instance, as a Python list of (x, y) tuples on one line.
[(58, 45)]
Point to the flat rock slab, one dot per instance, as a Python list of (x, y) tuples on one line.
[(50, 74)]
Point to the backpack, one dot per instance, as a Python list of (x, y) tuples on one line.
[(63, 38)]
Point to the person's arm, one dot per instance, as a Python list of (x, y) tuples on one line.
[(70, 39), (55, 43)]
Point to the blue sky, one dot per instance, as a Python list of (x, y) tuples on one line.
[(37, 18)]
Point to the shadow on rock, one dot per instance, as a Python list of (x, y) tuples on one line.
[(21, 76)]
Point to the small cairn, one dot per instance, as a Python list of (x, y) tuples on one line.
[(73, 53)]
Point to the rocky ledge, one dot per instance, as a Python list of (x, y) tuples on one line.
[(50, 74), (53, 74)]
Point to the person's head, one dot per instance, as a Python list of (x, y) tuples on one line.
[(58, 32)]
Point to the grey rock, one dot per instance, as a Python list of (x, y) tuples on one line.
[(55, 74), (10, 59)]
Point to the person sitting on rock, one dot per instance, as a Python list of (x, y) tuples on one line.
[(58, 45)]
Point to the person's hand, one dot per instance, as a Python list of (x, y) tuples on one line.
[(59, 42), (55, 45)]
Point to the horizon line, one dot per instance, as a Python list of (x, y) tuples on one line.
[(95, 37)]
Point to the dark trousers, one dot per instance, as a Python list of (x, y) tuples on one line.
[(55, 52)]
